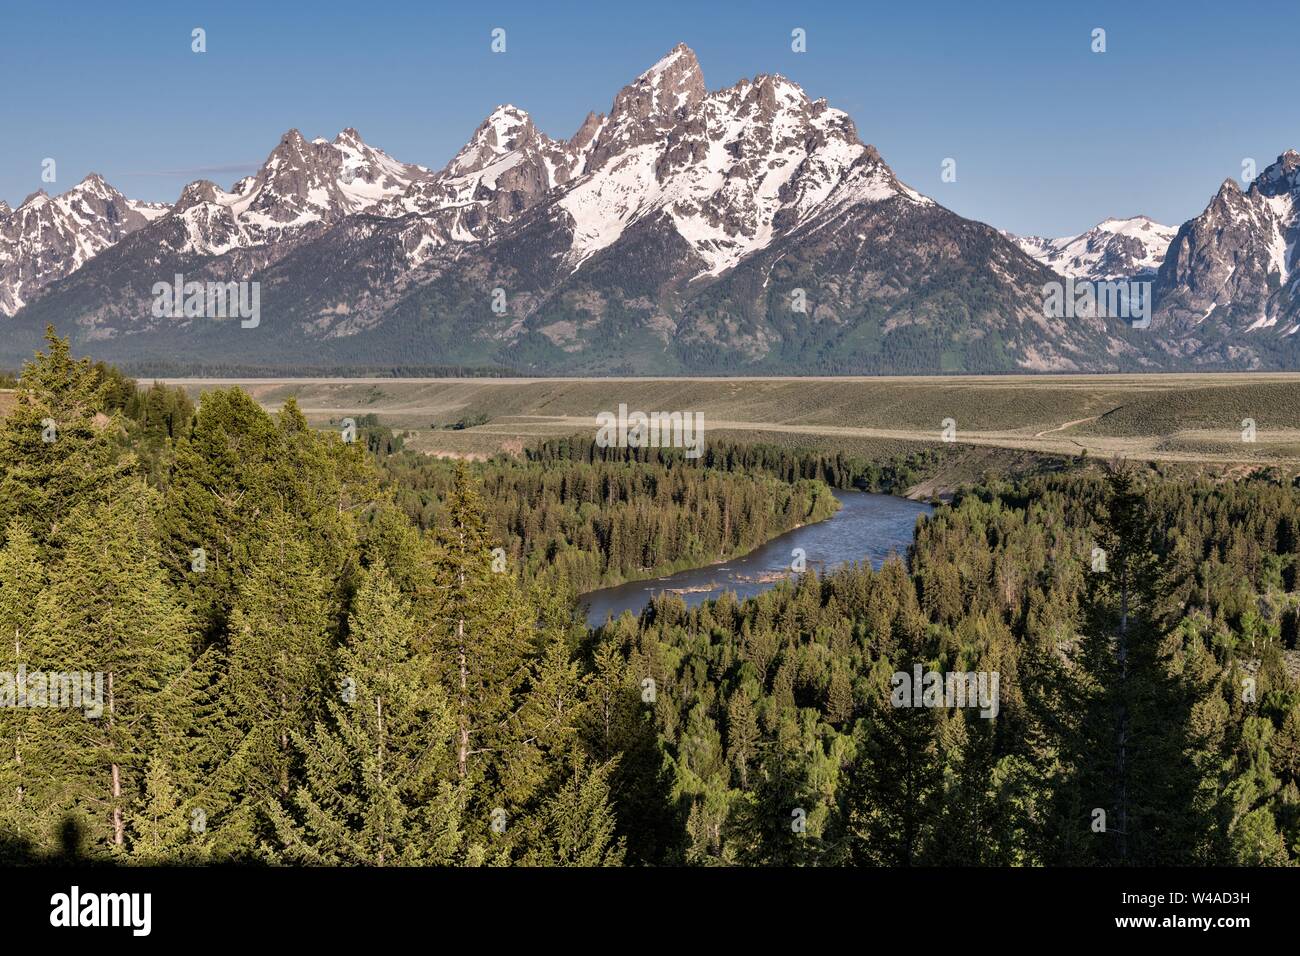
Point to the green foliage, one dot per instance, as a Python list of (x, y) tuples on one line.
[(57, 446), (355, 674), (568, 523), (372, 793)]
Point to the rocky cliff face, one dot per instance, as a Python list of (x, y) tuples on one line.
[(1227, 290)]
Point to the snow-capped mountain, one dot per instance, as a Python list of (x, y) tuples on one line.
[(1112, 249), (747, 228), (729, 170), (47, 238), (302, 187), (506, 167), (716, 164), (1234, 270)]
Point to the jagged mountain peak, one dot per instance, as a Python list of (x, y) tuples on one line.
[(730, 169), (1239, 261), (590, 125), (1227, 189), (95, 183), (92, 186), (507, 114), (1115, 248), (506, 128), (197, 192), (676, 74), (301, 187), (349, 137), (1280, 177), (647, 108), (47, 238), (773, 81)]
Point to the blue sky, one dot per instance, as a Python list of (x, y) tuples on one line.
[(1049, 137)]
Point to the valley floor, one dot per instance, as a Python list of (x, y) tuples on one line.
[(1221, 420)]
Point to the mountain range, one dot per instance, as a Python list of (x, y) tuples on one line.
[(743, 230)]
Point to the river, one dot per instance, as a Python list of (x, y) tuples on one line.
[(866, 528)]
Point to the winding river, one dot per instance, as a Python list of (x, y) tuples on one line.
[(866, 528)]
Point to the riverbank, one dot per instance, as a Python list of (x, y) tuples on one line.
[(866, 527), (685, 565)]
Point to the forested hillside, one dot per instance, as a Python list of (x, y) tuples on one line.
[(1188, 742), (293, 671), (313, 652)]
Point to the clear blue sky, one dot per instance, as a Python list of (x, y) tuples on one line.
[(1049, 137)]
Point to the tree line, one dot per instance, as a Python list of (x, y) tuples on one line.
[(892, 475), (577, 524)]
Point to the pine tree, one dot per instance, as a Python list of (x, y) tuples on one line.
[(281, 629), (23, 807), (1257, 842), (219, 496), (234, 469), (553, 710), (578, 825), (480, 641), (620, 721), (1134, 736), (742, 734), (1126, 537), (376, 791), (57, 447), (964, 830), (159, 827), (839, 697), (205, 749), (888, 805), (772, 826), (109, 612)]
